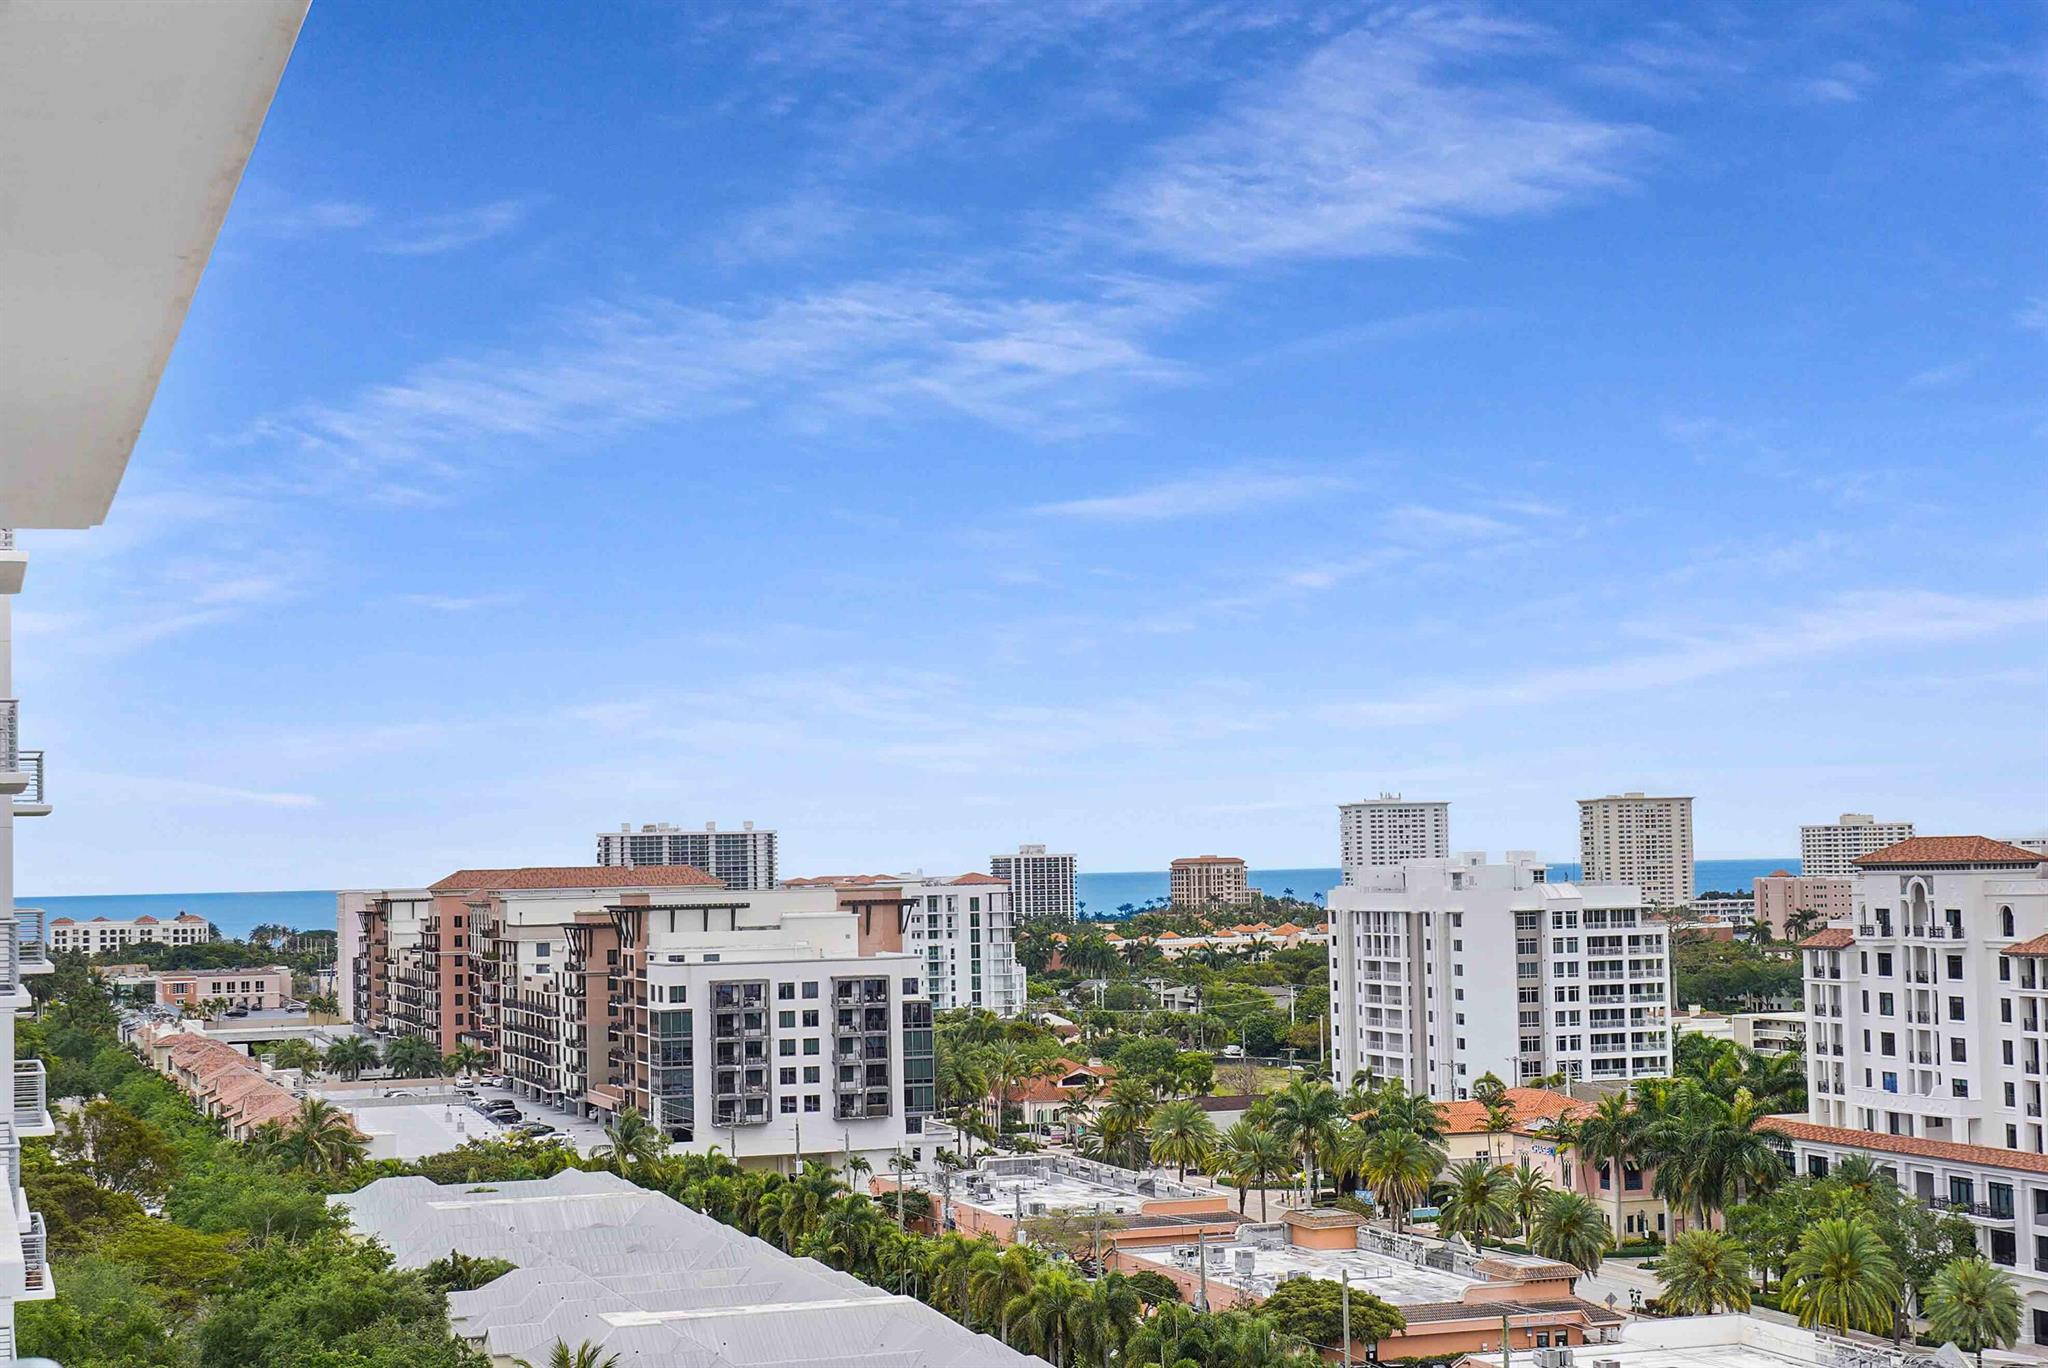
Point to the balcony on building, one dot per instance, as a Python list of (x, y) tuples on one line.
[(32, 1099), (29, 942)]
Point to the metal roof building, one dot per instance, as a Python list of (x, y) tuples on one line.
[(652, 1281)]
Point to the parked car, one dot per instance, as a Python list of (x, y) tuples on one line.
[(502, 1111), (1233, 1052), (236, 1012), (534, 1128)]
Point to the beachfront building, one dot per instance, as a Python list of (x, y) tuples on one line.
[(742, 857), (1828, 850), (748, 1019), (1388, 831), (1639, 840), (1041, 882), (101, 934), (1444, 970), (1209, 881), (128, 128)]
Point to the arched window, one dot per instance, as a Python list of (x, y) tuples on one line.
[(2005, 922)]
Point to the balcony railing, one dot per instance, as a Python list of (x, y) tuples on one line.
[(10, 735), (28, 938), (35, 1255), (30, 763)]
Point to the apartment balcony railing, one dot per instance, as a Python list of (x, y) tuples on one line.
[(1983, 1210), (31, 802), (10, 735), (35, 1255)]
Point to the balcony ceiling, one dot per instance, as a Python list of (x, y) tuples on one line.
[(126, 128)]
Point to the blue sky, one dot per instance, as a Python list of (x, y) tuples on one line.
[(1136, 428)]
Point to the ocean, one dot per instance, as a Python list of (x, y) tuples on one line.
[(1101, 895)]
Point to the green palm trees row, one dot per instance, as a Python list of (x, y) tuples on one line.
[(1709, 1150), (317, 1139)]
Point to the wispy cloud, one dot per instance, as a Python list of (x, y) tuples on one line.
[(869, 350), (1841, 83), (458, 603), (2033, 315), (1848, 622), (1939, 377), (1373, 147), (1220, 493), (436, 233), (308, 220)]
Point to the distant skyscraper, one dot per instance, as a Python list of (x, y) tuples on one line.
[(1627, 838), (743, 859), (1384, 832), (1827, 850), (1209, 880), (1041, 885)]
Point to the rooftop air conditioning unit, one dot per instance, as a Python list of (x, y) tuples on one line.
[(1245, 1261), (1036, 1208)]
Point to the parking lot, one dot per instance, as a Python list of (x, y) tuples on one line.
[(412, 1118)]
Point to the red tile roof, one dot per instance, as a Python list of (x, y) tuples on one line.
[(1529, 1105), (1987, 1155), (2037, 946), (1943, 850), (575, 876), (1779, 874), (1834, 938), (978, 878)]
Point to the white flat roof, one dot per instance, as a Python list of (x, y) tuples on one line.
[(1389, 1279)]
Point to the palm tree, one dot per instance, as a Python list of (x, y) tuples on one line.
[(1841, 1276), (1705, 1272), (412, 1057), (320, 1139), (1528, 1186), (1608, 1138), (1710, 1152), (465, 1059), (1305, 1114), (1253, 1156), (1974, 1306), (1500, 1119), (630, 1142), (584, 1355), (1477, 1199), (1107, 1317), (1571, 1230), (295, 1054), (1049, 1312), (1183, 1135), (995, 1278), (1123, 1118), (857, 1167), (350, 1055), (1399, 1167)]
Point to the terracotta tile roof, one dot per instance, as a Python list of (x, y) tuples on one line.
[(1190, 861), (980, 879), (1834, 938), (1529, 1105), (576, 876), (2037, 946), (190, 917), (1051, 1090), (61, 921), (1779, 874), (1987, 1155), (1939, 850)]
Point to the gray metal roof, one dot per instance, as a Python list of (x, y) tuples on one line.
[(652, 1281)]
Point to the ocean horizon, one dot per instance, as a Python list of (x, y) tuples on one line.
[(1101, 895)]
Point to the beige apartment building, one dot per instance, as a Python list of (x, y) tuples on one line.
[(1781, 895), (1829, 849), (1640, 840), (1210, 880)]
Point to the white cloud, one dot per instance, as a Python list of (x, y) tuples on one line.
[(1372, 147), (1937, 377), (1220, 493), (307, 220), (458, 603), (1848, 622), (1841, 83), (438, 233)]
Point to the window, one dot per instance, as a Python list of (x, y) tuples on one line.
[(1884, 1004), (1955, 966), (785, 1047), (1955, 1009), (1884, 964), (788, 1078), (1957, 1053), (811, 1019), (789, 1108), (810, 1102), (810, 1073), (786, 1020), (811, 1046), (2005, 927), (1887, 1043), (785, 992), (810, 990)]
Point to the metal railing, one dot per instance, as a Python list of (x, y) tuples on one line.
[(31, 1094), (31, 764), (35, 1255), (28, 938), (10, 735)]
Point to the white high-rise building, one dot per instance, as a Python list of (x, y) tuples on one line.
[(1829, 849), (743, 858), (1927, 1042), (1642, 841), (128, 128), (1041, 884), (960, 926), (1444, 970), (1388, 831)]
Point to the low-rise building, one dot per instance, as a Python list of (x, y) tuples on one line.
[(101, 934), (1781, 896), (1002, 1197), (1771, 1032), (1455, 1300), (1209, 881), (1529, 1130), (221, 1080), (259, 990), (641, 1277), (1725, 1341)]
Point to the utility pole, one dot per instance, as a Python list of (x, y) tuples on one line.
[(1346, 1294), (1095, 1238), (1202, 1269)]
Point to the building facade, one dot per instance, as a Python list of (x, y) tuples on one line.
[(735, 1017), (1209, 881), (1444, 970), (743, 858), (962, 928), (1387, 832), (93, 937), (259, 990), (1828, 850), (1041, 884), (1781, 896), (1638, 840)]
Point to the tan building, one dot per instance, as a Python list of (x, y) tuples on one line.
[(262, 990), (69, 936), (1210, 880), (1829, 850), (1637, 839), (1782, 895)]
